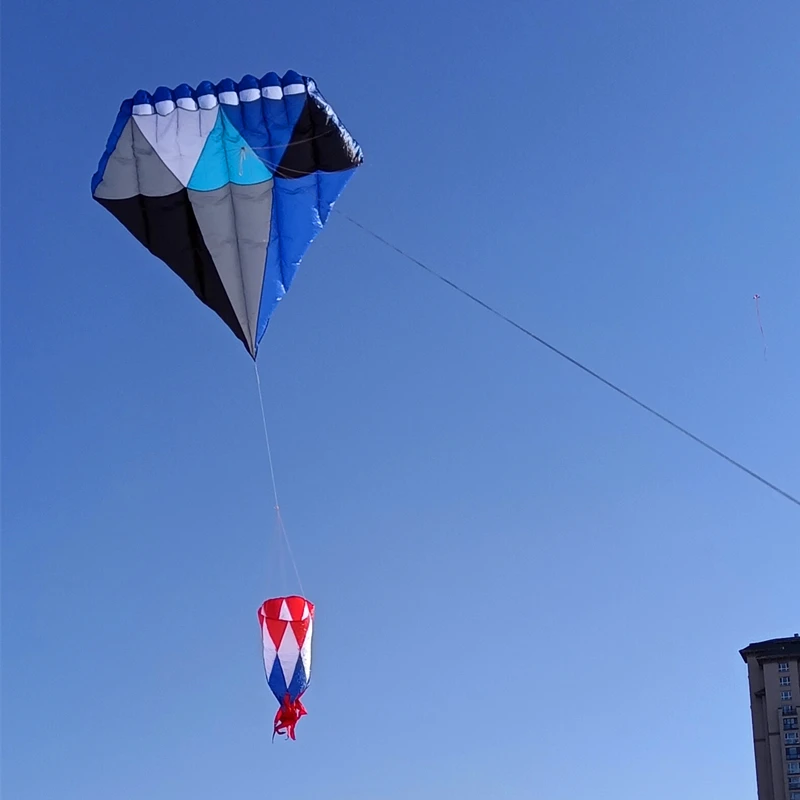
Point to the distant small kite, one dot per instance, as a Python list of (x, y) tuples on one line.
[(757, 297)]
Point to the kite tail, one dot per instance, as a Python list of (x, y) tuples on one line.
[(287, 717)]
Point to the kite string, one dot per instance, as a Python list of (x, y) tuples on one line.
[(281, 528), (561, 354)]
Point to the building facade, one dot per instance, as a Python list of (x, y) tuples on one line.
[(773, 670)]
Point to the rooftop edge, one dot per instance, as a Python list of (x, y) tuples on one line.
[(773, 648)]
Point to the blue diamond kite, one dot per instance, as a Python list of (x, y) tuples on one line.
[(228, 184)]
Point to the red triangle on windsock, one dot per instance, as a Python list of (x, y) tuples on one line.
[(296, 606), (300, 629), (272, 608), (276, 629)]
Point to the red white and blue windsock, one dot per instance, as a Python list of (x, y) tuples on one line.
[(286, 628)]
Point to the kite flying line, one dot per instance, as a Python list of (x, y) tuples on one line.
[(573, 361)]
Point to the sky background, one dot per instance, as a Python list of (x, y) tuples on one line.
[(526, 587)]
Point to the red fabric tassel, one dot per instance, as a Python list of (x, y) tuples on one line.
[(287, 717)]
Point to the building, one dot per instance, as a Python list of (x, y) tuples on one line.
[(773, 669)]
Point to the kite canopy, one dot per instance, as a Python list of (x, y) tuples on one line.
[(286, 627), (228, 184)]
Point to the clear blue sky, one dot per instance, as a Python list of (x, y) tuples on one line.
[(526, 587)]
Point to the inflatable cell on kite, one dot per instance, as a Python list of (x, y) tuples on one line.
[(286, 627), (228, 184)]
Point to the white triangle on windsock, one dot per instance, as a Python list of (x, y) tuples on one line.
[(179, 137), (305, 650), (268, 644), (305, 611), (288, 653), (288, 665), (285, 613)]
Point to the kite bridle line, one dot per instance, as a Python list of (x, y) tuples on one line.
[(274, 168), (283, 537)]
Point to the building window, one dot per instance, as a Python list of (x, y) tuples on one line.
[(794, 795), (794, 767), (792, 753), (790, 724), (786, 681), (791, 738), (786, 696), (794, 783), (783, 666)]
